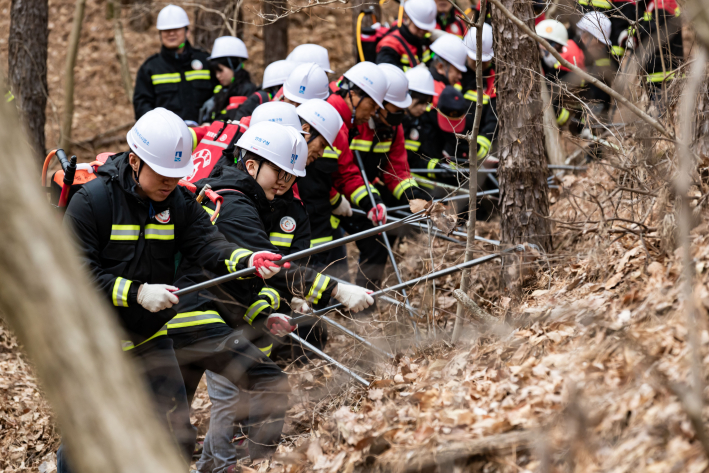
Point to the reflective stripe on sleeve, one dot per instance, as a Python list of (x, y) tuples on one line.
[(236, 257), (361, 145), (194, 139), (359, 194), (217, 89), (660, 76), (315, 293), (197, 75), (335, 198), (472, 95), (267, 350), (603, 62), (432, 165), (273, 296), (423, 184), (120, 292), (159, 232), (382, 147), (618, 51), (280, 239), (483, 146), (319, 241), (172, 78), (412, 145), (596, 3), (255, 309), (125, 232), (402, 186), (563, 117), (191, 319), (332, 153)]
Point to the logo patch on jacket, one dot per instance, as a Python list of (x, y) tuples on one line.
[(288, 224), (163, 217), (414, 134), (196, 65)]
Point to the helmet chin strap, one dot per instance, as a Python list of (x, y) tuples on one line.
[(136, 174), (354, 107)]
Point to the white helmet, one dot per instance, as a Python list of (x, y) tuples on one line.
[(323, 117), (596, 24), (421, 80), (172, 17), (276, 73), (229, 46), (452, 49), (471, 42), (398, 90), (422, 13), (368, 77), (276, 143), (162, 140), (307, 81), (277, 112), (311, 53), (552, 30)]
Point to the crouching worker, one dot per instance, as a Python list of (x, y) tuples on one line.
[(258, 211), (129, 224)]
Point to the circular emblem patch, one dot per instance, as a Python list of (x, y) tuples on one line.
[(288, 224), (455, 29), (197, 65), (163, 217), (414, 135)]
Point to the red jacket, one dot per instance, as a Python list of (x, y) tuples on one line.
[(572, 53), (396, 42)]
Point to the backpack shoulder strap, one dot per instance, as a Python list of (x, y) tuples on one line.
[(413, 60), (103, 210)]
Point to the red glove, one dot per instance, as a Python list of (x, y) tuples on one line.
[(279, 325), (263, 261), (378, 214)]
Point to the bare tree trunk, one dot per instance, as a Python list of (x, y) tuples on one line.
[(114, 12), (27, 66), (275, 35), (524, 202), (551, 131), (100, 403), (73, 49), (208, 25)]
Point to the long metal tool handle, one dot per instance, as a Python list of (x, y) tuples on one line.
[(413, 282), (445, 200), (384, 235), (345, 330), (300, 254), (321, 354)]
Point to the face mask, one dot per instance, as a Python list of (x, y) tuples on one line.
[(395, 119)]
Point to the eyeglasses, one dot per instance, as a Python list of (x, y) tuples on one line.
[(282, 175)]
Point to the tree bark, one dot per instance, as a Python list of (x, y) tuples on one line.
[(209, 26), (141, 17), (27, 66), (275, 35), (524, 201), (73, 49), (114, 13), (67, 330)]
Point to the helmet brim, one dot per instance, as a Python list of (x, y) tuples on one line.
[(401, 104), (178, 173)]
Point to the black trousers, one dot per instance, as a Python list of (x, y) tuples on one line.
[(227, 352), (157, 364)]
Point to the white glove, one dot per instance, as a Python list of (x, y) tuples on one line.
[(279, 325), (378, 214), (344, 209), (300, 305), (156, 297), (263, 261), (586, 134), (549, 60), (354, 298)]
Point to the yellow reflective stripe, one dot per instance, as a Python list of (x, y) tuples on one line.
[(432, 165), (332, 153), (319, 241), (159, 232), (402, 186), (359, 194), (382, 147), (217, 89), (458, 86), (472, 95), (191, 319), (194, 139), (660, 76), (210, 212), (335, 198), (273, 295), (125, 232), (596, 3), (423, 184), (483, 146), (647, 16), (267, 350), (255, 309), (618, 51), (603, 62), (315, 293), (412, 145), (280, 239), (563, 117), (197, 75), (236, 256), (677, 11), (405, 59), (426, 55), (120, 292), (166, 78), (361, 145), (128, 345), (334, 221)]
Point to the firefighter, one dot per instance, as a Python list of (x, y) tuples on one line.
[(621, 14), (447, 19), (562, 81), (129, 224), (311, 53), (307, 81), (227, 62), (488, 120), (178, 77), (448, 62), (259, 211), (274, 76), (441, 145), (406, 45), (422, 91)]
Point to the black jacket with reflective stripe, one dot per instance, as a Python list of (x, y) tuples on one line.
[(179, 83), (250, 220), (135, 245)]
